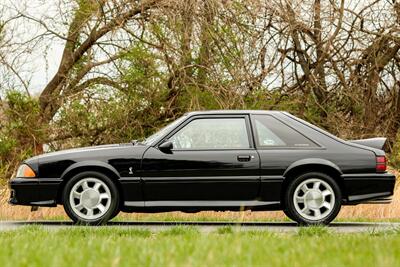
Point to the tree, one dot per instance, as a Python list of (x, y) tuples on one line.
[(94, 24), (330, 62)]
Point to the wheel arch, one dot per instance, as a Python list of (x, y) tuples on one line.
[(313, 165), (95, 166)]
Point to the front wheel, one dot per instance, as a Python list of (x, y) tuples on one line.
[(312, 199), (90, 198)]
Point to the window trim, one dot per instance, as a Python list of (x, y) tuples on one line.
[(317, 146), (196, 117)]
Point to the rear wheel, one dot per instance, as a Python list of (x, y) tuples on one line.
[(288, 214), (313, 198), (90, 198)]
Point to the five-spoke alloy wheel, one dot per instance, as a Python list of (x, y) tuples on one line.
[(90, 198), (312, 198)]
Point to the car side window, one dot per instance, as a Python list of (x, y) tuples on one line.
[(215, 133), (273, 133)]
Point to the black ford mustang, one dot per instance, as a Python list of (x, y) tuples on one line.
[(212, 160)]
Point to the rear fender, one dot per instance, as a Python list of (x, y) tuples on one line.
[(303, 163)]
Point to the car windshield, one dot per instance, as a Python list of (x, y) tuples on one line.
[(149, 140)]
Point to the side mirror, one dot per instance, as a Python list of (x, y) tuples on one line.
[(167, 146)]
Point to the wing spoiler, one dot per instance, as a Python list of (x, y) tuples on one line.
[(378, 142)]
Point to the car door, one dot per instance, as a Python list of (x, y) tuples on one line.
[(213, 159)]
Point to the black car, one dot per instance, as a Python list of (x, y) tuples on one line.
[(212, 160)]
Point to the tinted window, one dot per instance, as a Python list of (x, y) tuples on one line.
[(212, 134), (273, 133)]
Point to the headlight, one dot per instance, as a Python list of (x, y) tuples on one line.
[(24, 171)]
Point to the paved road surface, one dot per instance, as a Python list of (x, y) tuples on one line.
[(210, 226)]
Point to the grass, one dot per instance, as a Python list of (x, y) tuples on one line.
[(187, 246)]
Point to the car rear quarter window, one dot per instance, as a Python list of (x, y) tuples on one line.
[(270, 132)]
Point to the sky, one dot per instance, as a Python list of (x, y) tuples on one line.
[(39, 64), (45, 68)]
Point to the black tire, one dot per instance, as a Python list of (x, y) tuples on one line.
[(113, 208), (288, 214), (115, 214), (289, 205)]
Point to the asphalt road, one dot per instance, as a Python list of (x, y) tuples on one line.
[(341, 227)]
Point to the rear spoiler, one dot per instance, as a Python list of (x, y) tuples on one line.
[(378, 142)]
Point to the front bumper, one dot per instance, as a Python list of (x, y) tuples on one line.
[(34, 191), (368, 188)]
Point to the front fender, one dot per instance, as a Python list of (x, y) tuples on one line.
[(90, 163)]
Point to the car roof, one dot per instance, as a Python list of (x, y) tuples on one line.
[(227, 112)]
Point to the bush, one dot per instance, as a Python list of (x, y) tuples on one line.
[(21, 131)]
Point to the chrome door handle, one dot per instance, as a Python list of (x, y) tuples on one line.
[(244, 158)]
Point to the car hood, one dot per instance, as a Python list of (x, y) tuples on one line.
[(80, 150)]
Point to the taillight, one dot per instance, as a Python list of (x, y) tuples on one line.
[(380, 164)]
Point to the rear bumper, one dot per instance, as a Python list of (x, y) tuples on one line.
[(34, 191), (371, 187)]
